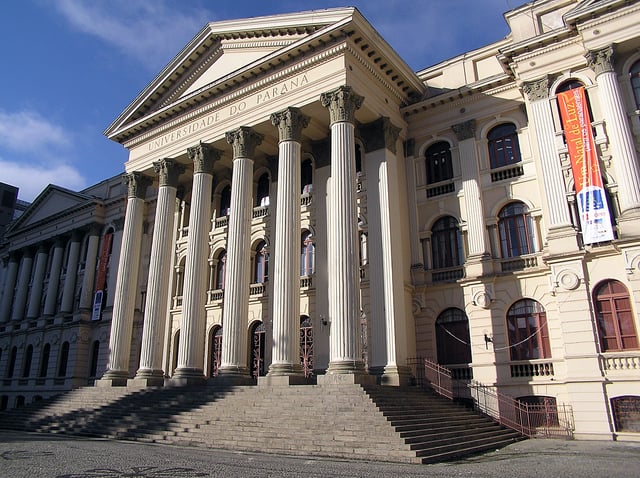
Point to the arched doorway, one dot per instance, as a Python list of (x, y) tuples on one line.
[(453, 342), (306, 345), (216, 351), (258, 337)]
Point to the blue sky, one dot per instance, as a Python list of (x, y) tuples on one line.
[(70, 67)]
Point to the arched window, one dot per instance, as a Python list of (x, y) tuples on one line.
[(446, 243), (225, 201), (626, 413), (261, 271), (44, 360), (12, 362), (528, 332), (504, 148), (614, 315), (306, 176), (221, 270), (634, 73), (516, 230), (307, 254), (262, 193), (26, 364), (438, 162), (452, 337), (64, 360)]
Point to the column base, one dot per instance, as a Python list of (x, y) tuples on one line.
[(186, 376), (284, 369), (629, 224), (111, 381), (234, 376), (396, 376), (562, 239), (285, 380), (478, 265), (146, 380)]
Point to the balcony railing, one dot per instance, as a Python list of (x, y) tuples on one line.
[(440, 189), (519, 263), (447, 275), (507, 173), (222, 221), (546, 420), (620, 362), (260, 211), (529, 369)]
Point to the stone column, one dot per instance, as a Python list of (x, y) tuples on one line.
[(126, 283), (51, 300), (623, 151), (23, 285), (35, 298), (236, 293), (562, 235), (417, 261), (285, 356), (153, 333), (9, 287), (192, 328), (69, 288), (90, 264), (344, 282), (388, 342)]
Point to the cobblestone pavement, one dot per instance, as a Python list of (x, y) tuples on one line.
[(44, 455)]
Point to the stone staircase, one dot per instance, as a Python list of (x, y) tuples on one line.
[(332, 420)]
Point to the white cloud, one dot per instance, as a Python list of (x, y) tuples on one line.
[(28, 131), (33, 178), (146, 30)]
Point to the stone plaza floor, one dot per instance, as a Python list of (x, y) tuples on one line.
[(32, 455)]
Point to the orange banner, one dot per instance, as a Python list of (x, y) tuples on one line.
[(595, 218)]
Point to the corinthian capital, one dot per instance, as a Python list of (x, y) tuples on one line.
[(168, 171), (244, 141), (601, 61), (342, 103), (290, 123), (536, 90), (137, 184), (203, 158)]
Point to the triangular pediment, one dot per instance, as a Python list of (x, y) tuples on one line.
[(225, 50), (52, 201)]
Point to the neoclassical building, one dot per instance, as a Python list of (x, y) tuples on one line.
[(303, 207)]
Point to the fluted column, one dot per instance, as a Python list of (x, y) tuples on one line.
[(285, 357), (126, 282), (540, 116), (9, 287), (344, 284), (86, 295), (153, 332), (192, 327), (35, 297), (51, 300), (465, 133), (69, 287), (236, 293), (23, 285), (623, 151)]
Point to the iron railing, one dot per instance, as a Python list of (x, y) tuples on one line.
[(542, 420)]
